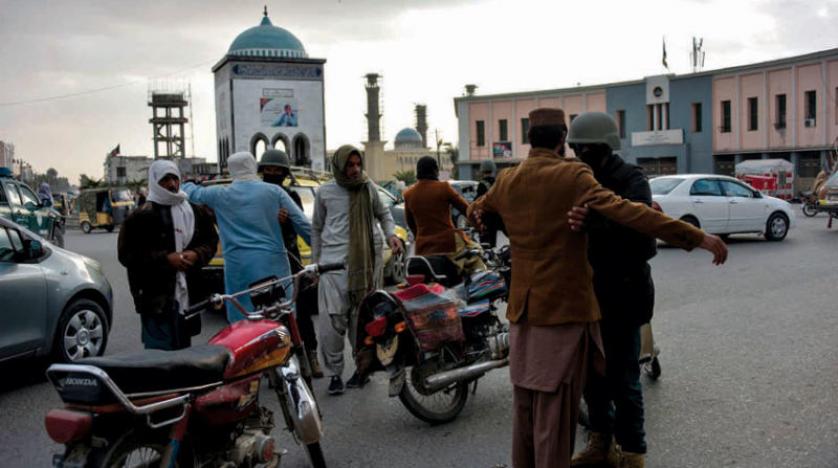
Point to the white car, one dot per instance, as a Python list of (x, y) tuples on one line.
[(722, 205)]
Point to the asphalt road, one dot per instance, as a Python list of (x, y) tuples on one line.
[(749, 356)]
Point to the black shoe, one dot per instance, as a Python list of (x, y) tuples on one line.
[(336, 385), (356, 382)]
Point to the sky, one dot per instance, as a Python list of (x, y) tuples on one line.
[(108, 54)]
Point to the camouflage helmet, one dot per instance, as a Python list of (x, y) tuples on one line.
[(488, 166), (594, 128), (274, 157)]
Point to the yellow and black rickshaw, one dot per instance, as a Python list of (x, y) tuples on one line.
[(104, 208)]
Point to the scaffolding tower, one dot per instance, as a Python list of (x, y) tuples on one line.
[(168, 122)]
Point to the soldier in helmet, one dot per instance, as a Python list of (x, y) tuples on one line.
[(275, 167), (553, 313), (625, 292)]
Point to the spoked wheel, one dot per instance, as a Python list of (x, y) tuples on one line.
[(134, 450), (437, 407)]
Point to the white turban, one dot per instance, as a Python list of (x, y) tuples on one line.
[(156, 172), (242, 166)]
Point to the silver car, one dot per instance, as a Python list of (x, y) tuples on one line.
[(52, 301)]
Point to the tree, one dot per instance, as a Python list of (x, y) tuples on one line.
[(408, 177), (86, 182), (453, 155)]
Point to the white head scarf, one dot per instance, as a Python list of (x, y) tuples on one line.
[(242, 166), (183, 218), (158, 170)]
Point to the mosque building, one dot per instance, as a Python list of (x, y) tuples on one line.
[(269, 94)]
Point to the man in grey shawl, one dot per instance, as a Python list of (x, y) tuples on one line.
[(344, 229)]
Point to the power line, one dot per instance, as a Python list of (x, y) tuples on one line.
[(99, 90)]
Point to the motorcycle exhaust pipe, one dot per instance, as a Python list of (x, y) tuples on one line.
[(444, 379)]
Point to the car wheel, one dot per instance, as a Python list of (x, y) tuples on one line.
[(397, 267), (691, 220), (82, 331), (86, 227), (777, 227)]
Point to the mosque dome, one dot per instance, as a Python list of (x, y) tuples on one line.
[(408, 138), (267, 40)]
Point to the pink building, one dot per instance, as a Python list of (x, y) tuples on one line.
[(784, 108), (496, 126)]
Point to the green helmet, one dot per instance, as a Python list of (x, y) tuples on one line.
[(274, 157), (488, 166), (594, 128)]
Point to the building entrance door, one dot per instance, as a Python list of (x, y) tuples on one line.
[(659, 166)]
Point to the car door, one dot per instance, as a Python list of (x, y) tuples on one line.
[(23, 289), (709, 204), (747, 212), (39, 219)]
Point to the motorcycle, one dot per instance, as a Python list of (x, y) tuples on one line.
[(809, 204), (197, 406), (437, 336)]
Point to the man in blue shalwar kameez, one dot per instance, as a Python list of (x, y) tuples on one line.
[(246, 212)]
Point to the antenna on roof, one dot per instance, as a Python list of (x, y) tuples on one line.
[(266, 10)]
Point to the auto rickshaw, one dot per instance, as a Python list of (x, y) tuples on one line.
[(104, 208)]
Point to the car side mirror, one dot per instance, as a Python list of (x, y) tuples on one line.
[(30, 206), (757, 194), (34, 249)]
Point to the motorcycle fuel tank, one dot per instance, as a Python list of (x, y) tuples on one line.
[(255, 345)]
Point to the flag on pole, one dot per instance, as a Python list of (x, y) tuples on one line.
[(666, 65), (114, 152)]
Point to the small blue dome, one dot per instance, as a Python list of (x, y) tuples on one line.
[(267, 40), (408, 137)]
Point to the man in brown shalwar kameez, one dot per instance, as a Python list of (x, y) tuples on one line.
[(552, 310)]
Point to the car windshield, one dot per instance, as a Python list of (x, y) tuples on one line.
[(386, 199), (662, 186), (121, 195)]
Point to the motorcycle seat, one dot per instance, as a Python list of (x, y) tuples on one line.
[(156, 370), (436, 269)]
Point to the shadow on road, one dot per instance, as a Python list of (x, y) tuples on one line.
[(23, 373)]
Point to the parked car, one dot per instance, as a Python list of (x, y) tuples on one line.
[(20, 204), (55, 302), (468, 189), (722, 205), (305, 182)]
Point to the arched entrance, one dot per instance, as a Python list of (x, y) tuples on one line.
[(302, 147), (258, 145), (280, 142)]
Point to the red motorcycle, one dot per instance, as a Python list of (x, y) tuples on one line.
[(197, 406)]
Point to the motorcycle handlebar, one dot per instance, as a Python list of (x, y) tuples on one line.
[(327, 267), (198, 307)]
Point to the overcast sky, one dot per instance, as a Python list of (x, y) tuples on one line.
[(426, 50)]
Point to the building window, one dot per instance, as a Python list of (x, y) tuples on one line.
[(525, 130), (753, 114), (503, 130), (697, 117), (621, 122), (481, 133), (811, 109), (781, 112), (120, 172), (650, 117), (725, 117)]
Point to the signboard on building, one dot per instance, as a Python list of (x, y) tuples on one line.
[(658, 137), (502, 149)]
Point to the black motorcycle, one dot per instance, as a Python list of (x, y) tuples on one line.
[(438, 335)]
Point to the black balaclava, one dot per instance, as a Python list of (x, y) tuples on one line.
[(274, 179), (427, 168), (595, 155)]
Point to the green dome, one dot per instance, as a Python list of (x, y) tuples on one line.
[(267, 40)]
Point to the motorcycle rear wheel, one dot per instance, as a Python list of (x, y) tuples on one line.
[(434, 408), (134, 449), (809, 210)]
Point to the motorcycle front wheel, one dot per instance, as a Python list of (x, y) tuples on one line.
[(434, 408)]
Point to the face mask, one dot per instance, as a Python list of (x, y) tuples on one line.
[(273, 179)]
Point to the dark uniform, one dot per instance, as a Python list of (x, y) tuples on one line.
[(624, 289)]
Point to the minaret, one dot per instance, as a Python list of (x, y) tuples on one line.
[(374, 147), (422, 123)]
